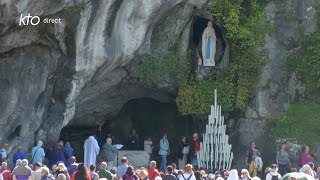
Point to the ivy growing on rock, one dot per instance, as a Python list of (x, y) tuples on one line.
[(299, 122), (245, 25), (161, 69), (305, 61)]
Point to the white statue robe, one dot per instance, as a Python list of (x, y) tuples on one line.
[(208, 46), (91, 150)]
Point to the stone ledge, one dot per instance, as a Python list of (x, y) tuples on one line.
[(136, 159)]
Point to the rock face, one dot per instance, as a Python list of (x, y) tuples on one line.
[(275, 90), (80, 69)]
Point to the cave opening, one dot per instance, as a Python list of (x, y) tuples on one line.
[(148, 116), (15, 133)]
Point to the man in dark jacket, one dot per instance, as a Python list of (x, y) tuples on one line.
[(133, 140)]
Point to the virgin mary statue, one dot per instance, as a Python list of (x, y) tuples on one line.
[(208, 45)]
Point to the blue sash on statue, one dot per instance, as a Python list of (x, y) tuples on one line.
[(208, 50)]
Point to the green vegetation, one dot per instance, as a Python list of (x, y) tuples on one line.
[(300, 121), (164, 68), (245, 26), (305, 62)]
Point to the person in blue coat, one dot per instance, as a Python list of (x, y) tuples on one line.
[(55, 155), (18, 155), (69, 151), (164, 151)]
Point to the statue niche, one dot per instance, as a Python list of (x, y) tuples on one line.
[(208, 45)]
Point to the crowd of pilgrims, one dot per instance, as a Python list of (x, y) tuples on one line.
[(59, 163)]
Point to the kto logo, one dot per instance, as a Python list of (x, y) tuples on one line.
[(33, 20)]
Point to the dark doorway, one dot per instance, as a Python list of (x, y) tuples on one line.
[(150, 117)]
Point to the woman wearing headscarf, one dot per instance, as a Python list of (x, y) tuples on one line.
[(18, 162), (245, 174), (233, 175), (306, 169)]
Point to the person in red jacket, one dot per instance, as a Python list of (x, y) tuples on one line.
[(152, 171), (5, 171), (194, 149)]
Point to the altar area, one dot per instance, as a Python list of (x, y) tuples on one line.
[(136, 159)]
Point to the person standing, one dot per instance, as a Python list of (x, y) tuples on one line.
[(36, 174), (169, 175), (148, 145), (5, 171), (45, 174), (73, 166), (130, 175), (61, 169), (164, 151), (282, 159), (122, 169), (273, 173), (305, 157), (252, 153), (194, 149), (18, 155), (69, 151), (37, 153), (91, 150), (64, 156), (110, 153), (133, 140), (22, 172), (245, 175), (55, 155), (184, 151), (152, 171), (233, 175), (143, 175), (313, 173), (103, 172), (188, 173), (93, 174), (3, 152), (81, 173)]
